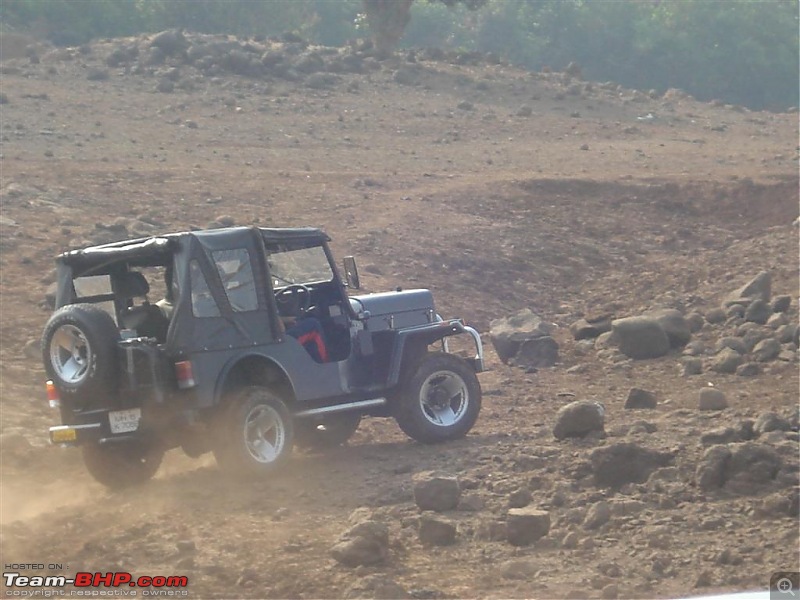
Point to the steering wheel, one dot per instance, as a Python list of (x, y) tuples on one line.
[(284, 299)]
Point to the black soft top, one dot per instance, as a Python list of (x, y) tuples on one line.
[(158, 249)]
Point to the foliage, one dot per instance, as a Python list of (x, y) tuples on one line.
[(740, 51)]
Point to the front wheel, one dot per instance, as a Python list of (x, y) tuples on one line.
[(122, 464), (440, 401), (255, 433)]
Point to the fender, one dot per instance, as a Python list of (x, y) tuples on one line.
[(428, 334), (234, 361)]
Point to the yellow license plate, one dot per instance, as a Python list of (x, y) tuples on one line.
[(63, 435)]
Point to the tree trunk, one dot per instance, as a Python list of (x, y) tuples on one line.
[(387, 20)]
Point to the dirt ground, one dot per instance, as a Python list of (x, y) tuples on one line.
[(496, 188)]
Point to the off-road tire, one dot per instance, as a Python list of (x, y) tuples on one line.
[(121, 465), (442, 388), (254, 433), (332, 431), (79, 350)]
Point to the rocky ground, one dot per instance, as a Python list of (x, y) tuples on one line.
[(499, 189)]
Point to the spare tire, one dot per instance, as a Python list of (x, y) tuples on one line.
[(79, 348)]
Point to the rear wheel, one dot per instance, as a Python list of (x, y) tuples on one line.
[(440, 401), (79, 351), (333, 430), (122, 464), (255, 433)]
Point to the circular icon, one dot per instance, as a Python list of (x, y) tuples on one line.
[(784, 586)]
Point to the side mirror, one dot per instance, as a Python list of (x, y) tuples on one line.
[(351, 272)]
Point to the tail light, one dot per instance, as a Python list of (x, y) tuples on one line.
[(53, 399), (184, 374)]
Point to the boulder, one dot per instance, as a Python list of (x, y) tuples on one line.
[(712, 399), (510, 333), (760, 287), (638, 398), (716, 315), (170, 42), (674, 325), (626, 462), (578, 419), (640, 337), (526, 525), (436, 531), (436, 491)]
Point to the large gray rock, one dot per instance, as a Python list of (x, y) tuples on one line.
[(674, 325), (170, 42), (436, 491), (640, 337), (626, 462), (787, 333), (510, 333), (578, 419), (760, 287), (526, 525)]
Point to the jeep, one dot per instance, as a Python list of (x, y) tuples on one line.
[(254, 346)]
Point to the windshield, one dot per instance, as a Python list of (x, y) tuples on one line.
[(304, 265)]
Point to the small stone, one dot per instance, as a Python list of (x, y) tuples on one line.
[(436, 531), (626, 462), (471, 503), (598, 515), (519, 498), (33, 349), (692, 366), (519, 569), (610, 592), (186, 546), (524, 111), (526, 525), (787, 333), (758, 312), (735, 310), (640, 399), (436, 491), (712, 399), (781, 304), (732, 342), (777, 320), (466, 105), (694, 348), (695, 321), (726, 361), (578, 419), (749, 369), (770, 421), (716, 315), (760, 287), (710, 473), (766, 350), (570, 541)]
